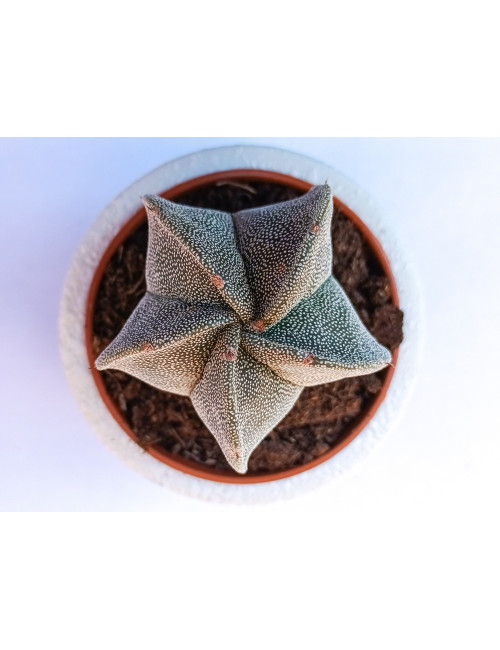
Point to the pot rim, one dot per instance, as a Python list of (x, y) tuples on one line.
[(174, 461)]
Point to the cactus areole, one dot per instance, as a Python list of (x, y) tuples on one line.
[(241, 312)]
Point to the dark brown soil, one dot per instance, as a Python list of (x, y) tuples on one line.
[(321, 416)]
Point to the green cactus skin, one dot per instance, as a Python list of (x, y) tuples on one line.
[(241, 312)]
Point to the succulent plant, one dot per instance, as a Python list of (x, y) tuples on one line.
[(241, 312)]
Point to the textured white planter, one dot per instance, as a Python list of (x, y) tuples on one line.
[(86, 260)]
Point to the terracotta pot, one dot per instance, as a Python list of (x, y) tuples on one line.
[(133, 223)]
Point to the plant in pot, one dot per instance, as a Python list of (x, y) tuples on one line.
[(232, 364), (241, 312)]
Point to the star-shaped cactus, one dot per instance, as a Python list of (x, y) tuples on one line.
[(241, 312)]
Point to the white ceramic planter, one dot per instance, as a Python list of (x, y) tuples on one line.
[(86, 260)]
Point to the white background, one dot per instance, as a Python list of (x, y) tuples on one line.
[(427, 502)]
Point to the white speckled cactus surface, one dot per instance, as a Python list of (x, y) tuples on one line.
[(241, 312)]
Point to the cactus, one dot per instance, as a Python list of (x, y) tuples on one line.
[(241, 312)]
